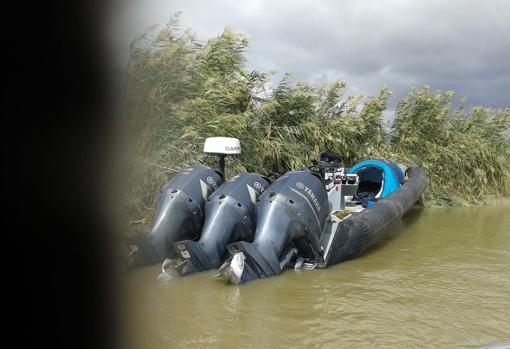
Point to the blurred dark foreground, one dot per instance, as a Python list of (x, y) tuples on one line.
[(57, 149)]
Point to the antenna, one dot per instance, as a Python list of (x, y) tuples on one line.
[(222, 146)]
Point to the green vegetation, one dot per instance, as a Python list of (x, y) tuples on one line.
[(180, 91)]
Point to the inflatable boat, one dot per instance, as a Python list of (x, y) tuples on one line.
[(253, 226)]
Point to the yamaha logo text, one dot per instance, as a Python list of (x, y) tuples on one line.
[(310, 193)]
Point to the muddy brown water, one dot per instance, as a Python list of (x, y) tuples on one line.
[(441, 280)]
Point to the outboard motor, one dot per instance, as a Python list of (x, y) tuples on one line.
[(229, 216), (179, 212), (181, 203), (290, 218)]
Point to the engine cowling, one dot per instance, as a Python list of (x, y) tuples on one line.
[(229, 216), (179, 212), (290, 217)]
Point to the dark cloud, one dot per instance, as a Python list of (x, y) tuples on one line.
[(462, 45)]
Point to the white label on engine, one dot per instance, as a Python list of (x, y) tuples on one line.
[(205, 189), (253, 194)]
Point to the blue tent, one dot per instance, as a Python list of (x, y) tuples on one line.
[(386, 173)]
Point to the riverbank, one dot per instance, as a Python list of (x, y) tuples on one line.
[(179, 92), (490, 201), (441, 280)]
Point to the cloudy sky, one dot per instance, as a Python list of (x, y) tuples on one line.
[(462, 45)]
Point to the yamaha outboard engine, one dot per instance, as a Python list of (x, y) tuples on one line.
[(179, 212), (290, 217), (229, 217), (181, 203)]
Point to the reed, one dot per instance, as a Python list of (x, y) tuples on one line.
[(180, 91)]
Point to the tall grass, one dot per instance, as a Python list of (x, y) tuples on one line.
[(180, 91)]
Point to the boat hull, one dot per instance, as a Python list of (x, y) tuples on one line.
[(361, 230)]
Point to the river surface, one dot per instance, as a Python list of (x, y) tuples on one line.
[(441, 280)]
